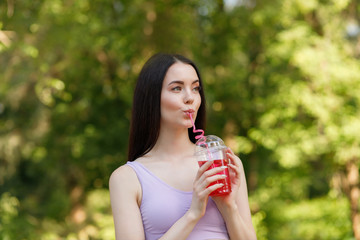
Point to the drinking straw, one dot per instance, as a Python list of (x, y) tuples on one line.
[(200, 136), (197, 130)]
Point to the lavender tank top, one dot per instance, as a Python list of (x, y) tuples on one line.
[(162, 205)]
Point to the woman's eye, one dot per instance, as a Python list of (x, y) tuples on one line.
[(197, 89), (176, 88)]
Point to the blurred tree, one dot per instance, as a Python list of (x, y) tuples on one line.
[(282, 84), (310, 121), (66, 90)]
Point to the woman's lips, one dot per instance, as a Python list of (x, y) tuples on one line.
[(188, 112)]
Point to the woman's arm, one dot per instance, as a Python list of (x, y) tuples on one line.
[(235, 206), (125, 196)]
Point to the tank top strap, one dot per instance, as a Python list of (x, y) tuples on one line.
[(139, 169)]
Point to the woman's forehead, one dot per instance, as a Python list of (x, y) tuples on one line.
[(180, 72)]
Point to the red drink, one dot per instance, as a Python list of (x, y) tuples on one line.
[(226, 189)]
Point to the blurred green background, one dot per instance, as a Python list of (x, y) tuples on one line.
[(282, 79)]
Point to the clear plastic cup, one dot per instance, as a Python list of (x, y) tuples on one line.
[(213, 148)]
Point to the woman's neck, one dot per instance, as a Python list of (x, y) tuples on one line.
[(173, 142)]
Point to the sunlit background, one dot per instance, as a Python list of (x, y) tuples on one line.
[(282, 80)]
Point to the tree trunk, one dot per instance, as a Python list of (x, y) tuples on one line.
[(352, 175)]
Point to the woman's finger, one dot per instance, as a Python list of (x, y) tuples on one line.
[(212, 188), (203, 169), (209, 180), (205, 172), (234, 159), (234, 168), (214, 170)]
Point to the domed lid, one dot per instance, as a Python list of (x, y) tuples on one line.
[(210, 143)]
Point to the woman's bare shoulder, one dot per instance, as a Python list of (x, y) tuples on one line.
[(124, 171), (123, 177), (125, 197), (124, 184)]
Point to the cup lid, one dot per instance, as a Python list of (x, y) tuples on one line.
[(209, 143)]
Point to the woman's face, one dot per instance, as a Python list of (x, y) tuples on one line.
[(180, 95)]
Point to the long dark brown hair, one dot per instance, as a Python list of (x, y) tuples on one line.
[(145, 120)]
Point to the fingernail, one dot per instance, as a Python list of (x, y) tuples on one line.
[(223, 167)]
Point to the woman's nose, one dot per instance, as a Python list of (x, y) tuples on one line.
[(188, 98)]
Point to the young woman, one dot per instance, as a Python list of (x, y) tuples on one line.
[(161, 193)]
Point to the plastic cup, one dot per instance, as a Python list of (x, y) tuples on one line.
[(213, 148)]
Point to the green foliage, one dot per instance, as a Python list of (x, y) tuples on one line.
[(283, 90), (323, 218), (8, 212)]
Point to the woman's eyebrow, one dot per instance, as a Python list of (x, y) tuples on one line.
[(182, 82), (176, 81), (196, 81)]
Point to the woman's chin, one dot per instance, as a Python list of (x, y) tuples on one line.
[(188, 124)]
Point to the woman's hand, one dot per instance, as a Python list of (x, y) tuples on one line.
[(234, 207), (201, 188), (235, 171)]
